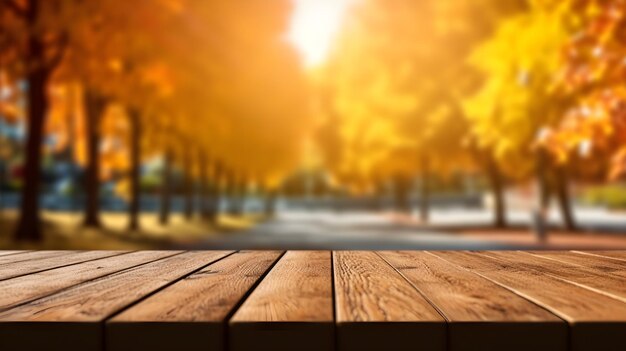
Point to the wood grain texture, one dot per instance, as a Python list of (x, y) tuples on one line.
[(376, 308), (33, 266), (461, 295), (602, 265), (596, 321), (190, 315), (606, 281), (292, 307), (163, 300), (615, 255), (481, 314), (30, 287), (88, 304), (7, 260)]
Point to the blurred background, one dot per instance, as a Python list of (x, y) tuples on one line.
[(346, 124)]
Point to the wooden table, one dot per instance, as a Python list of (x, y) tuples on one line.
[(312, 300)]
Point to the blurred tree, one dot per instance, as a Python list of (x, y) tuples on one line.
[(33, 45), (176, 55), (591, 80), (216, 191), (89, 40), (105, 41), (510, 113), (389, 96)]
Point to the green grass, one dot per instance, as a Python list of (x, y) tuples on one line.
[(612, 196)]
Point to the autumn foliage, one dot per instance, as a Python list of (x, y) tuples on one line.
[(513, 90), (209, 85)]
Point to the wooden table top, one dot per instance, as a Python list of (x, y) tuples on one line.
[(312, 300)]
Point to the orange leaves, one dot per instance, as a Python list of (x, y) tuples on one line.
[(65, 120), (159, 76), (596, 51), (596, 126), (215, 76), (593, 80), (618, 164), (246, 97), (9, 96)]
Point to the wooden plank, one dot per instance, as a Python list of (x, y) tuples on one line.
[(378, 309), (32, 255), (611, 254), (607, 281), (597, 322), (291, 309), (481, 314), (12, 252), (33, 266), (75, 314), (601, 264), (30, 287), (191, 314)]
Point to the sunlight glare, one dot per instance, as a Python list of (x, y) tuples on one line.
[(314, 24)]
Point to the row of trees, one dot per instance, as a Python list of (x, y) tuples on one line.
[(208, 86), (518, 90)]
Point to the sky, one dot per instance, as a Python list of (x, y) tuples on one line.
[(313, 27)]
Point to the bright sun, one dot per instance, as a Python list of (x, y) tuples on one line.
[(314, 24)]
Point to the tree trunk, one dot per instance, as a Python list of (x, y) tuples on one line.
[(425, 190), (402, 189), (204, 187), (270, 203), (189, 185), (74, 174), (3, 180), (40, 69), (540, 216), (563, 195), (214, 209), (231, 190), (95, 106), (240, 196), (545, 189), (166, 188), (380, 195), (135, 171), (497, 186), (29, 226)]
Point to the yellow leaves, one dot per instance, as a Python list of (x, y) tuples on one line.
[(393, 81), (520, 62)]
